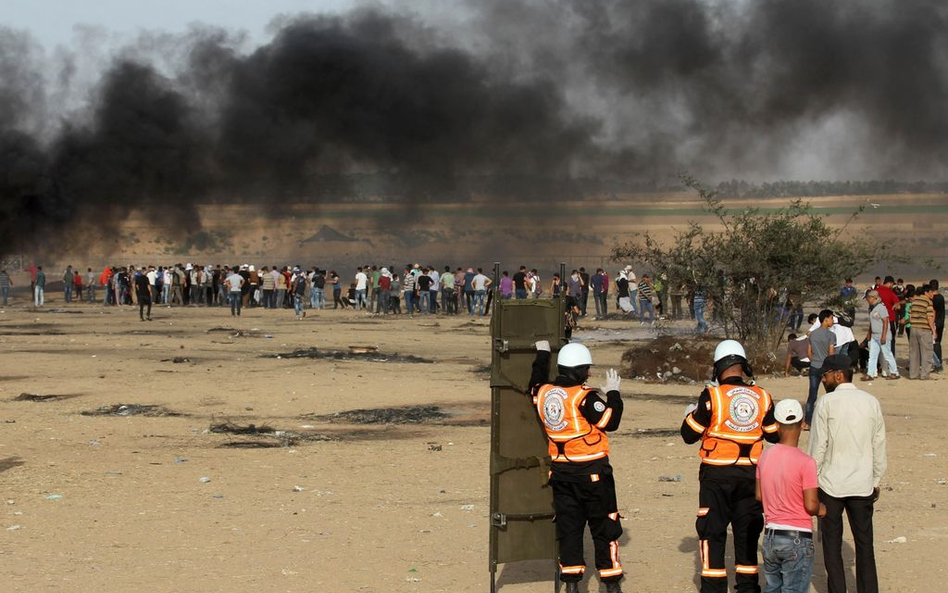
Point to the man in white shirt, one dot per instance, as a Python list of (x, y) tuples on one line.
[(234, 283), (480, 283), (361, 282), (847, 440)]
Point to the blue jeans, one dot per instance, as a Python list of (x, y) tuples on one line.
[(699, 307), (409, 301), (788, 564), (521, 293), (646, 307), (874, 350), (68, 293), (236, 301), (360, 299), (479, 296), (424, 300), (5, 292), (298, 304), (317, 299)]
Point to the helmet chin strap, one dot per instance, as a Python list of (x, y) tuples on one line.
[(576, 374)]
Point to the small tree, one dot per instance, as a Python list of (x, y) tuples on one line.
[(760, 261)]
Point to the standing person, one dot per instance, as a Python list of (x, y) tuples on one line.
[(68, 284), (822, 343), (254, 284), (234, 284), (298, 287), (891, 302), (938, 304), (90, 285), (336, 289), (699, 304), (659, 285), (34, 272), (166, 282), (536, 288), (584, 295), (595, 283), (319, 289), (921, 338), (847, 440), (6, 283), (394, 294), (646, 292), (506, 286), (469, 290), (408, 287), (731, 419), (520, 283), (143, 294), (633, 289), (384, 302), (787, 487), (434, 288), (576, 419), (878, 337), (423, 286), (481, 284), (77, 284), (39, 287), (575, 287), (281, 285), (622, 291), (268, 284), (848, 294), (447, 291), (361, 282), (176, 278)]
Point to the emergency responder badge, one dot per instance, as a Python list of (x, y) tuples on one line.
[(599, 407), (743, 410), (554, 409)]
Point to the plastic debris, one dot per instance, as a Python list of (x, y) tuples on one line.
[(204, 479), (899, 540)]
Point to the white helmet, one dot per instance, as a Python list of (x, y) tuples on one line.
[(574, 355), (729, 348), (729, 353)]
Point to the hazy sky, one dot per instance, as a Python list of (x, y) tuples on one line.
[(52, 22)]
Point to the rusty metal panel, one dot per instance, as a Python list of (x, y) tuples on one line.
[(521, 503)]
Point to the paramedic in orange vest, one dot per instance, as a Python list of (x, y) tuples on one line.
[(731, 419), (576, 419)]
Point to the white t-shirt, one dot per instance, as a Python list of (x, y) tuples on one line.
[(844, 335), (235, 281), (435, 278), (480, 282), (361, 281), (152, 276)]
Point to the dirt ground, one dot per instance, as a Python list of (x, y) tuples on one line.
[(159, 502)]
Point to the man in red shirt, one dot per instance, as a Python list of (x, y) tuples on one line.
[(891, 302)]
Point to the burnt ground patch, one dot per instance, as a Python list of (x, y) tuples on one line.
[(351, 354), (267, 437), (465, 414), (36, 397), (654, 432), (675, 400), (237, 333), (148, 410)]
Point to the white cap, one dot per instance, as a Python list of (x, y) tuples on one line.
[(788, 411), (573, 355)]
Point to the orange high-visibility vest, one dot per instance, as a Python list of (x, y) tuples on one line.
[(737, 420), (571, 437)]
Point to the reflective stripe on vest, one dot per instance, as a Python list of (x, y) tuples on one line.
[(571, 437), (737, 418)]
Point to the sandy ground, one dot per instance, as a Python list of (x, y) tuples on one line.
[(117, 504)]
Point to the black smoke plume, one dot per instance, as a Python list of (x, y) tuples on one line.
[(525, 99)]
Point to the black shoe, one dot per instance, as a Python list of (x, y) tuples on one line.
[(613, 587), (572, 587)]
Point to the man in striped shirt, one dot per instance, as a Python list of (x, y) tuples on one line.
[(921, 342)]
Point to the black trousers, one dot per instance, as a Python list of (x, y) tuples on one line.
[(144, 300), (579, 503), (859, 512), (940, 329), (724, 503)]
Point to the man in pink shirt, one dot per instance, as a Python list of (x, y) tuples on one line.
[(788, 488)]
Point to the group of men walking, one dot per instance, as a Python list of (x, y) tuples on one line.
[(775, 491)]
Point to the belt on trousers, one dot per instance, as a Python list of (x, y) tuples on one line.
[(789, 533)]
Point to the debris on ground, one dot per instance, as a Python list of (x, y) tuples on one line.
[(656, 432), (351, 354), (149, 410), (403, 415), (35, 397), (671, 359), (675, 478), (236, 333), (177, 359), (271, 438)]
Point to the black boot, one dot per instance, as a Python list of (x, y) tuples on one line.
[(613, 587), (572, 587)]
